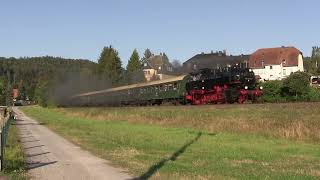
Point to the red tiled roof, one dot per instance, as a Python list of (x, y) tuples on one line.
[(288, 56)]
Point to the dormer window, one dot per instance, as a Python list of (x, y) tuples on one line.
[(284, 61)]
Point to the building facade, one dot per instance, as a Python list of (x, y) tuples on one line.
[(276, 63)]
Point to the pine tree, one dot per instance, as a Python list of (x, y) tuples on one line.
[(134, 69), (134, 63), (110, 64)]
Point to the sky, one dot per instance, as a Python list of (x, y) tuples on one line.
[(180, 28)]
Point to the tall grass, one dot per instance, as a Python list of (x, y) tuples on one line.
[(14, 159), (297, 121)]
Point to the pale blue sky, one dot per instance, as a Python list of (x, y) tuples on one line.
[(181, 28)]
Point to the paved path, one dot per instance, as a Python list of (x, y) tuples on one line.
[(49, 156)]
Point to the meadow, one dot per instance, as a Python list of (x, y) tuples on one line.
[(252, 141)]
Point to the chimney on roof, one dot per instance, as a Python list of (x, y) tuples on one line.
[(225, 52), (202, 52), (211, 52)]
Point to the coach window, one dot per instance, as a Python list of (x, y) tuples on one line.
[(175, 86), (160, 88)]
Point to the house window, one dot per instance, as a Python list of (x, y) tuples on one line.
[(194, 66), (145, 64), (270, 67), (284, 72)]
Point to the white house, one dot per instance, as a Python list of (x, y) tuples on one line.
[(158, 67), (276, 63)]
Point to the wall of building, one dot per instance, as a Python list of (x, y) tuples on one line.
[(300, 63), (275, 72), (149, 73)]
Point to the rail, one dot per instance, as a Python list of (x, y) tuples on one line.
[(6, 119)]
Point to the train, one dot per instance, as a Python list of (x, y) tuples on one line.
[(233, 84)]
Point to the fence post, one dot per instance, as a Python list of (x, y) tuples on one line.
[(2, 149)]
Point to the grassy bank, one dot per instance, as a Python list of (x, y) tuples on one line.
[(14, 157), (160, 143), (298, 121)]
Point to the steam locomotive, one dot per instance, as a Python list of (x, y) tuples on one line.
[(206, 86)]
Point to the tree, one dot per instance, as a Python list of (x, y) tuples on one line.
[(165, 58), (310, 65), (109, 64), (297, 84), (147, 54), (134, 63), (176, 66), (134, 69)]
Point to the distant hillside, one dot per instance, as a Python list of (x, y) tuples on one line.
[(36, 77)]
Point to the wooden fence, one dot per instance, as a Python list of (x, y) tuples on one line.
[(6, 118)]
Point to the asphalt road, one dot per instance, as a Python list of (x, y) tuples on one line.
[(49, 156)]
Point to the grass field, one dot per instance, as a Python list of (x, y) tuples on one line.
[(270, 141), (14, 158)]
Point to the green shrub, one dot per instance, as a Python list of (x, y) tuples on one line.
[(294, 88), (296, 85), (272, 91), (312, 95)]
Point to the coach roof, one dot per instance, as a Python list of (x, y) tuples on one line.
[(132, 86)]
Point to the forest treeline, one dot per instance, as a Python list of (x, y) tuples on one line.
[(47, 80)]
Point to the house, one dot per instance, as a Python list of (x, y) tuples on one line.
[(276, 63), (213, 60), (158, 67)]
